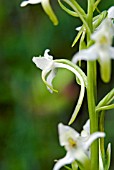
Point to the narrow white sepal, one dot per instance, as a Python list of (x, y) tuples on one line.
[(24, 3), (86, 129), (88, 54), (66, 160), (92, 138), (78, 28)]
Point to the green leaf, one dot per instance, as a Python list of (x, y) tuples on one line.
[(82, 44), (106, 100), (77, 38), (96, 4), (109, 107)]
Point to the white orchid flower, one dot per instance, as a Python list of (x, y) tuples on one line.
[(101, 50), (49, 69), (47, 65), (46, 6), (76, 145), (85, 133)]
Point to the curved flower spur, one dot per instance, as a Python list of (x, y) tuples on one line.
[(49, 69), (46, 6)]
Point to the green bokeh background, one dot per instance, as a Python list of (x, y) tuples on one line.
[(29, 114)]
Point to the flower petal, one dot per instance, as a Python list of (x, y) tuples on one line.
[(111, 12), (44, 74), (66, 132), (50, 78), (46, 55), (24, 3), (66, 160), (111, 52), (88, 54), (43, 62), (78, 28), (86, 129), (93, 137), (104, 32)]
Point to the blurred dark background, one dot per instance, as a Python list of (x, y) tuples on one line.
[(29, 114)]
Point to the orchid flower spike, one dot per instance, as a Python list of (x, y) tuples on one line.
[(46, 6), (101, 50), (49, 69), (75, 144)]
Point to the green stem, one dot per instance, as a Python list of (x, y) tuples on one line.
[(91, 94), (90, 13), (92, 114)]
